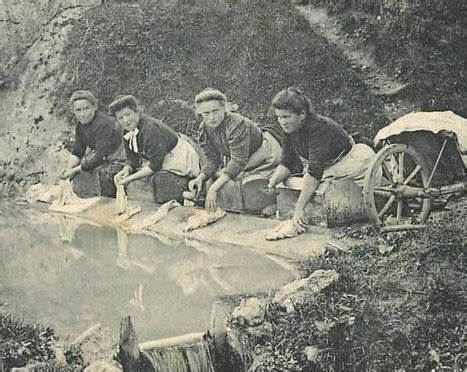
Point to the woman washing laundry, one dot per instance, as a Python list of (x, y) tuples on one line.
[(326, 150), (97, 138), (234, 146), (150, 145)]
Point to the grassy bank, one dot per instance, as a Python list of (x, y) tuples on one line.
[(398, 310), (22, 343), (422, 43)]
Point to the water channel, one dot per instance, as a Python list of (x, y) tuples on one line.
[(72, 274)]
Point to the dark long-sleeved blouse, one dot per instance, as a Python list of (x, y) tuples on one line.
[(101, 135), (236, 138), (155, 140), (320, 140)]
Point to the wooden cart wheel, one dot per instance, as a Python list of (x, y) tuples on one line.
[(395, 166)]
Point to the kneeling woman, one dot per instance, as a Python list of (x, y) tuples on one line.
[(234, 146), (150, 145), (324, 147)]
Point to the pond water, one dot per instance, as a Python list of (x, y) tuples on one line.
[(68, 273)]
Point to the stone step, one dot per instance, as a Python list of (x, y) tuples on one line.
[(336, 202)]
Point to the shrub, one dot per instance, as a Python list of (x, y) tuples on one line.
[(22, 343)]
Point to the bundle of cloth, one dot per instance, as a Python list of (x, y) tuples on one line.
[(61, 196), (286, 229), (124, 210), (158, 215), (203, 218)]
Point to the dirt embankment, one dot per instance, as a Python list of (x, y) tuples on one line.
[(416, 44), (32, 134)]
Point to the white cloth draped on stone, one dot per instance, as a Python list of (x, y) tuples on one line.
[(157, 216), (286, 229), (123, 209)]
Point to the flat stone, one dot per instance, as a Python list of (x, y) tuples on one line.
[(234, 229), (335, 202), (298, 291), (250, 312), (96, 344), (103, 367)]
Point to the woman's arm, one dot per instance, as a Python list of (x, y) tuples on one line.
[(310, 184), (145, 171), (212, 161), (72, 168), (211, 196), (280, 174)]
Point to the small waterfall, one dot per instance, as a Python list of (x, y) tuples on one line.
[(190, 358)]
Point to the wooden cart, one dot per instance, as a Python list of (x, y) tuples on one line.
[(421, 162)]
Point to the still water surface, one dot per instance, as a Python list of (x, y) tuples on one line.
[(72, 275)]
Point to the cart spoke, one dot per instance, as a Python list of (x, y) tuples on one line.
[(399, 210), (386, 207), (401, 166), (388, 173), (413, 174)]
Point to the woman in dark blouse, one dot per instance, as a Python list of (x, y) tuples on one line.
[(323, 145), (150, 145), (94, 130), (232, 144)]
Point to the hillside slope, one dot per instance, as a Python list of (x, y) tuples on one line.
[(249, 51), (165, 55)]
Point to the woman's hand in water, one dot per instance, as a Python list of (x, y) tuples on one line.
[(211, 200)]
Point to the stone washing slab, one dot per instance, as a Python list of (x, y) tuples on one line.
[(234, 229)]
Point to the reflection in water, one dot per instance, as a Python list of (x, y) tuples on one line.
[(137, 300), (67, 228), (56, 270), (123, 260)]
